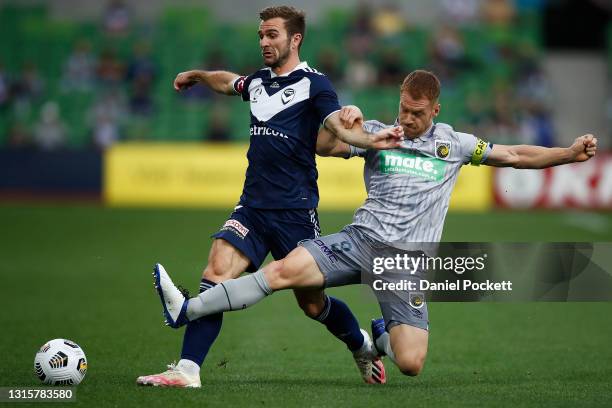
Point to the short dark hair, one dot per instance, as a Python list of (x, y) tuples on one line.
[(422, 84), (295, 20)]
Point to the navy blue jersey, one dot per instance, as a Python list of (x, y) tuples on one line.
[(286, 112)]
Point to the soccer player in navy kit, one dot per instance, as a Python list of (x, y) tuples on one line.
[(277, 209)]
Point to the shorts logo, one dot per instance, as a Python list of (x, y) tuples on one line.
[(442, 149), (287, 95), (236, 227), (416, 299), (326, 251)]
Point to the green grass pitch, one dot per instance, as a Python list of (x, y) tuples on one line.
[(83, 273)]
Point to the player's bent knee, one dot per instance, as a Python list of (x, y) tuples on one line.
[(280, 275), (410, 364)]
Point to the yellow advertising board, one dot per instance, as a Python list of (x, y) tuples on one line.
[(211, 175)]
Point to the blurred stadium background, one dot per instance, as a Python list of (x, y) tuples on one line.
[(91, 133)]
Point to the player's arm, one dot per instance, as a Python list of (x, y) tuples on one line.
[(328, 144), (537, 157), (388, 138), (219, 81)]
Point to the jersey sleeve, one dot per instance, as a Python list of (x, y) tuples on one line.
[(241, 87), (472, 149), (323, 96)]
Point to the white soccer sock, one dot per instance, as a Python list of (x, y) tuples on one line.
[(383, 343), (233, 294), (366, 346), (188, 367)]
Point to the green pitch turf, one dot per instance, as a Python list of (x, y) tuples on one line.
[(83, 273)]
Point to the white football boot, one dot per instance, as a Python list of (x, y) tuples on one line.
[(172, 377), (369, 364), (174, 302)]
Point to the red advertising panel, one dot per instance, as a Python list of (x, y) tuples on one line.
[(579, 185)]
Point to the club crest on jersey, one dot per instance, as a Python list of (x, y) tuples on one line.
[(416, 299), (287, 95), (442, 149)]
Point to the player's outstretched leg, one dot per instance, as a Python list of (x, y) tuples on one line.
[(174, 302)]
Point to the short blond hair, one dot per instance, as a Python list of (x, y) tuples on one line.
[(421, 84)]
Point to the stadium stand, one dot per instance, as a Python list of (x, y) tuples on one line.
[(191, 37)]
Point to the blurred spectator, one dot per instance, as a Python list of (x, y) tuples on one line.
[(141, 66), (110, 69), (447, 54), (4, 87), (391, 70), (214, 60), (141, 102), (50, 132), (536, 127), (460, 12), (360, 73), (533, 88), (31, 81), (25, 90), (117, 18), (388, 21), (19, 136), (105, 133), (504, 127), (106, 117), (80, 68), (329, 64), (360, 31), (111, 104), (498, 12), (218, 129), (477, 114)]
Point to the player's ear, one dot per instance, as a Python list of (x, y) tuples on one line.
[(296, 39), (436, 109)]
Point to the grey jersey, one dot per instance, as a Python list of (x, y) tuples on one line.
[(409, 188)]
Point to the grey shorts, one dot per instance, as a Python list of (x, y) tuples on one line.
[(347, 258)]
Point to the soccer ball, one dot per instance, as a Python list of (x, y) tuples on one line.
[(60, 362)]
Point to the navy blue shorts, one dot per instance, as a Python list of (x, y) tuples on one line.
[(255, 232)]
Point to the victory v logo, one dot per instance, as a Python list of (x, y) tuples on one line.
[(287, 95)]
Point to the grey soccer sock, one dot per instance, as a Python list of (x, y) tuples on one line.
[(383, 343), (233, 294)]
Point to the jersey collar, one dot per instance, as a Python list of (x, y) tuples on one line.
[(301, 65)]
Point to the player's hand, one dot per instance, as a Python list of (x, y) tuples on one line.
[(584, 147), (185, 80), (350, 115), (389, 138)]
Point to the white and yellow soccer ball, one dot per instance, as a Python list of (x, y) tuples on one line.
[(60, 362)]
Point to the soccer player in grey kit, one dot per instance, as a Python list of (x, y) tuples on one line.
[(409, 190)]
